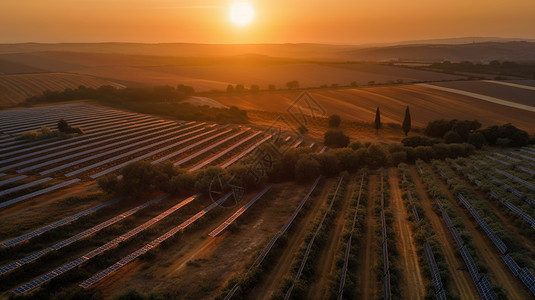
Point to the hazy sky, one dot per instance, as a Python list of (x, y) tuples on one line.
[(276, 21)]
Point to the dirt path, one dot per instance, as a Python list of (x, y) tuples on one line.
[(461, 281), (273, 279), (366, 277), (498, 271), (325, 265), (412, 283)]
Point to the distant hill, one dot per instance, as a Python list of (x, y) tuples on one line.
[(461, 49), (475, 52)]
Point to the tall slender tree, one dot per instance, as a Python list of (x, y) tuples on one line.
[(407, 121), (377, 120)]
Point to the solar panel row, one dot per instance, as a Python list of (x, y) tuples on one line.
[(75, 238), (238, 213), (129, 258), (109, 245), (435, 274), (62, 222), (511, 263)]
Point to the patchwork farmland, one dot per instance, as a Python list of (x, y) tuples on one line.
[(441, 229)]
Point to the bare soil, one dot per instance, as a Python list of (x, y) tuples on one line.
[(461, 281), (366, 277), (413, 286)]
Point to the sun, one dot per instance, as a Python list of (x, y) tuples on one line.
[(241, 13)]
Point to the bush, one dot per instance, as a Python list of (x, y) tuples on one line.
[(452, 137), (307, 169), (335, 139), (415, 141), (477, 139)]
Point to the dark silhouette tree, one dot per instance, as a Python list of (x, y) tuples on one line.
[(407, 121), (335, 139), (230, 89), (334, 121), (377, 120), (255, 88), (239, 88)]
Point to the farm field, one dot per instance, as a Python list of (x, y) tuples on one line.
[(426, 104)]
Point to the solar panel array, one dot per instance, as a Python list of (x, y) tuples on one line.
[(486, 228), (34, 256), (62, 222), (109, 245), (515, 178), (131, 257), (238, 213), (111, 140), (245, 152), (483, 286)]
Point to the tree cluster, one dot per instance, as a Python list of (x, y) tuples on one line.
[(159, 100), (455, 131)]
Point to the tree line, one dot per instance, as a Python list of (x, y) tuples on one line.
[(159, 100)]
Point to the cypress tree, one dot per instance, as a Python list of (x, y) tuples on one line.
[(407, 121), (377, 120)]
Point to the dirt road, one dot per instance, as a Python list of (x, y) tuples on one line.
[(366, 277), (412, 283), (461, 281)]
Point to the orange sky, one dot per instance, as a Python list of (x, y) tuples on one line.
[(277, 21)]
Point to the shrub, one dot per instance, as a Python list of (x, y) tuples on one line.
[(307, 169), (335, 139)]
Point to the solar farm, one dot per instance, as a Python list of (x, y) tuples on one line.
[(460, 228)]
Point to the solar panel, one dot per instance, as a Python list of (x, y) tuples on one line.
[(485, 289), (528, 279), (470, 264), (435, 275), (511, 263), (456, 237), (441, 295)]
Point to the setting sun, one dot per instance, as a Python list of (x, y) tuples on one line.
[(241, 13)]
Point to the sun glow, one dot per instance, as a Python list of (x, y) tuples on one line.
[(241, 13)]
